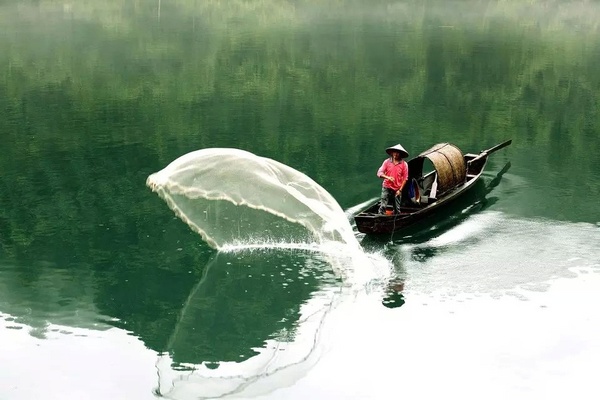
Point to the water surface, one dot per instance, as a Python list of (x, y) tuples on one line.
[(105, 293)]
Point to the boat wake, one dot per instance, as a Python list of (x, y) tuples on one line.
[(483, 255), (253, 210)]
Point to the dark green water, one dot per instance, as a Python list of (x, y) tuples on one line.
[(98, 278)]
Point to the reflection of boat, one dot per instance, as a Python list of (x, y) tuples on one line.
[(453, 174)]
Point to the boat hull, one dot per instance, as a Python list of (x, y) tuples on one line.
[(370, 222)]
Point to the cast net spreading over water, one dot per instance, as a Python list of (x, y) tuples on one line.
[(233, 198), (242, 204)]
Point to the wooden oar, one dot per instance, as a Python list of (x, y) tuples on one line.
[(497, 147), (489, 151)]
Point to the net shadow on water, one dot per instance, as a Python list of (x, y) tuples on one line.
[(256, 315)]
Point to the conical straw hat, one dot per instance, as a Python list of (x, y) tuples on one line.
[(398, 147)]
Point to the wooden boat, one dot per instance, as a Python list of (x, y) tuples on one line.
[(426, 192)]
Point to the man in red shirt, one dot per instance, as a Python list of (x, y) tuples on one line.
[(394, 172)]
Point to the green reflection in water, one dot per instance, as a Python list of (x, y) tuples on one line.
[(303, 83), (243, 300)]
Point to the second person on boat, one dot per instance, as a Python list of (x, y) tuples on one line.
[(394, 172)]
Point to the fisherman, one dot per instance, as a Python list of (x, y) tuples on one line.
[(394, 172)]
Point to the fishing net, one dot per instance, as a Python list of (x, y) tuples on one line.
[(233, 197)]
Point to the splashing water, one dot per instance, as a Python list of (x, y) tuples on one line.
[(240, 202)]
